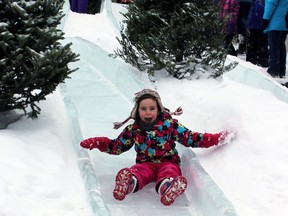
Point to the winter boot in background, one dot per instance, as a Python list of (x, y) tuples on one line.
[(125, 183), (170, 189)]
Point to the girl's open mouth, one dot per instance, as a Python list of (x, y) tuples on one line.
[(148, 120)]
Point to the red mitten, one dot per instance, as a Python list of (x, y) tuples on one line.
[(210, 139), (96, 142)]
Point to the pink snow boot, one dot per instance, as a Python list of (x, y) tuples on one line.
[(170, 189), (125, 183)]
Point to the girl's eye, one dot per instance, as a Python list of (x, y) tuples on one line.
[(147, 108)]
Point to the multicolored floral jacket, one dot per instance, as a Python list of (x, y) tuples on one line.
[(159, 144), (229, 8)]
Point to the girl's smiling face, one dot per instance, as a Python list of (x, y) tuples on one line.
[(148, 110)]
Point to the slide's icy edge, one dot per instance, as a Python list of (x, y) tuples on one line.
[(202, 189), (107, 8), (94, 197), (95, 200), (257, 77)]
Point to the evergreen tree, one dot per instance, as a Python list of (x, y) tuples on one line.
[(32, 60), (181, 36)]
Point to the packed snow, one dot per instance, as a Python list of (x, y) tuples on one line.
[(39, 164)]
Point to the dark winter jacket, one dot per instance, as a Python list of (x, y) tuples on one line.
[(255, 18), (159, 144)]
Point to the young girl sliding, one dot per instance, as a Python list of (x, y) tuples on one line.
[(154, 135)]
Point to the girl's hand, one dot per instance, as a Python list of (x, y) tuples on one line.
[(225, 137), (96, 142)]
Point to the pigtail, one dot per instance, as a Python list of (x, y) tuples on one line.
[(177, 112), (117, 125)]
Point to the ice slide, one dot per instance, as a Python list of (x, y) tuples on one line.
[(98, 95)]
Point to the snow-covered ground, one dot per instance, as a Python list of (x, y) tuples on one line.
[(40, 167)]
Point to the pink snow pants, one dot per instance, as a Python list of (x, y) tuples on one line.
[(148, 172)]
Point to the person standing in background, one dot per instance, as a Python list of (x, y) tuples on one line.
[(230, 9), (244, 9), (274, 24), (257, 40)]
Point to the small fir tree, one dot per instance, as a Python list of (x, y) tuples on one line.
[(32, 60), (183, 37)]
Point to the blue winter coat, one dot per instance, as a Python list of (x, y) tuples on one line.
[(255, 17), (275, 11)]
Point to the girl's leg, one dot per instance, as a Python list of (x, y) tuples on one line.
[(125, 183), (167, 170), (133, 179), (170, 183), (145, 173)]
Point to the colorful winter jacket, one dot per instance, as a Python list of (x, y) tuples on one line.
[(229, 8), (159, 144), (275, 11)]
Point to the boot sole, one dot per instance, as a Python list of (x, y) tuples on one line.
[(177, 187), (122, 181)]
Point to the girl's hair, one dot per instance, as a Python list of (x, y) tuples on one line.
[(145, 94)]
